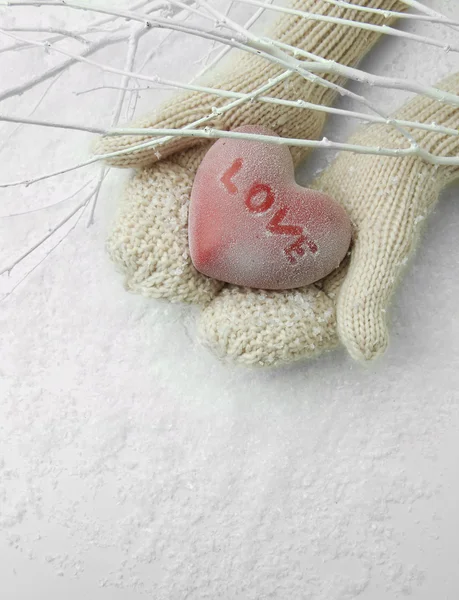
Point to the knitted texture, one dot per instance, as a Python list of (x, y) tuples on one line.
[(385, 197), (266, 328), (149, 242)]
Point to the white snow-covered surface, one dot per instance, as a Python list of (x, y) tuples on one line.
[(133, 464)]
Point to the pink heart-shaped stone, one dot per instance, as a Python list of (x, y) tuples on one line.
[(251, 224)]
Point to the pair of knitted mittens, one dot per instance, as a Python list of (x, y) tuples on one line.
[(385, 197)]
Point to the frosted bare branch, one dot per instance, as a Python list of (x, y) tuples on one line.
[(126, 27)]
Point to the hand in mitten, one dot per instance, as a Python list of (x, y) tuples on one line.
[(387, 199), (149, 241)]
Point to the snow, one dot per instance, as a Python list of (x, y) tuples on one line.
[(133, 464)]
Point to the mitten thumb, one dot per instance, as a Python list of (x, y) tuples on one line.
[(387, 199)]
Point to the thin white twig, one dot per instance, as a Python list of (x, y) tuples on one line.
[(387, 14), (424, 9), (24, 87), (211, 133), (383, 29), (188, 7), (158, 4), (42, 240), (133, 43), (99, 88), (43, 123), (35, 108), (228, 8), (47, 254), (94, 27), (64, 33), (95, 196), (300, 104), (253, 19), (32, 180), (154, 51), (54, 204)]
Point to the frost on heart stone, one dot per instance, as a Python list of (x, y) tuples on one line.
[(252, 225)]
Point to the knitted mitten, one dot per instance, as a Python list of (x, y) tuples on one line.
[(149, 241), (387, 199)]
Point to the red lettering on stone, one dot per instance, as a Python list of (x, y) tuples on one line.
[(276, 226), (229, 174), (311, 245), (298, 248), (262, 204), (255, 190)]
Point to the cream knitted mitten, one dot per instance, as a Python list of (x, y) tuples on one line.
[(387, 199), (256, 327)]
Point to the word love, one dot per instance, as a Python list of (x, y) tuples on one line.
[(252, 225), (275, 225)]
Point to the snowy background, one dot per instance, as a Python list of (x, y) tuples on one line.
[(133, 464)]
